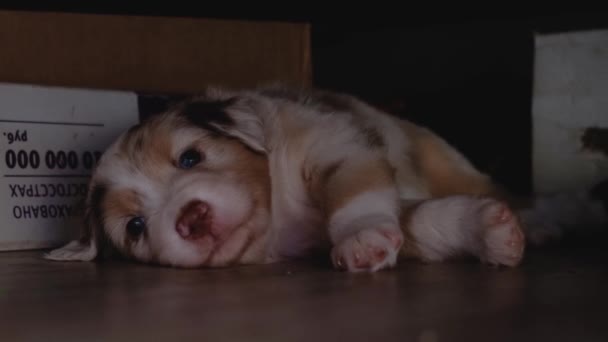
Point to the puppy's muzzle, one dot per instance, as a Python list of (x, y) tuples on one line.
[(194, 220)]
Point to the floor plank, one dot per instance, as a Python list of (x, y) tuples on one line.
[(558, 294)]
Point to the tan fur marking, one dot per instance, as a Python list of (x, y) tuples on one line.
[(252, 169), (445, 171), (122, 203), (349, 181), (252, 172), (148, 148)]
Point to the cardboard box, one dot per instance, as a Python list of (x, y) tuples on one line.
[(151, 54), (70, 83), (50, 140)]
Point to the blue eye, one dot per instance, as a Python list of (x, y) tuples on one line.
[(136, 226), (189, 159)]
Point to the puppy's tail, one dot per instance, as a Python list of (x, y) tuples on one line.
[(550, 217)]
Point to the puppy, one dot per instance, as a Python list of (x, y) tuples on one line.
[(265, 175)]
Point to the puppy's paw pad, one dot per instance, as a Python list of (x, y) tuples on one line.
[(493, 213), (503, 239), (394, 236), (368, 250)]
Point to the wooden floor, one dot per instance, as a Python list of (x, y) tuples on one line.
[(558, 294)]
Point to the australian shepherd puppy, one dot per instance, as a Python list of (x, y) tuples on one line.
[(264, 175)]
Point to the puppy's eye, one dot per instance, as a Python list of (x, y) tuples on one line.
[(189, 159), (136, 226)]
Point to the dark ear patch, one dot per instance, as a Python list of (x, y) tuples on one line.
[(98, 192), (94, 219), (151, 105), (93, 216), (207, 113)]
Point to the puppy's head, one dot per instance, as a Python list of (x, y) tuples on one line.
[(187, 188)]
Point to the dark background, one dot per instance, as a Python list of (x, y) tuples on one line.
[(467, 75)]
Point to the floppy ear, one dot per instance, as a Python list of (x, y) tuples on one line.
[(237, 117), (87, 247)]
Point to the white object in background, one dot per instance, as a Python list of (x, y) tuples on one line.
[(50, 139), (570, 96)]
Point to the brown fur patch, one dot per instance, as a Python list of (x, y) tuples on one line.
[(148, 147), (330, 171), (93, 217), (206, 113), (443, 168), (348, 181), (257, 178), (252, 172), (122, 203)]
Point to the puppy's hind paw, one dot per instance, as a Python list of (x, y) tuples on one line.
[(503, 239)]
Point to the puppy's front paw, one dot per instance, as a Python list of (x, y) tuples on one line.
[(368, 250)]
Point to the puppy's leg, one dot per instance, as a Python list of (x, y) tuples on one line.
[(454, 226), (361, 202)]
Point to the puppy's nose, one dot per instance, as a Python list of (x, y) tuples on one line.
[(194, 220)]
